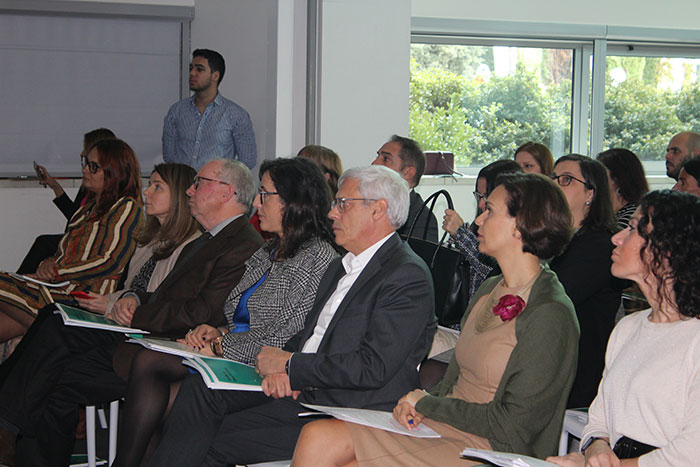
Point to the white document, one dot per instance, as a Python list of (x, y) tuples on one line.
[(24, 278), (375, 419), (506, 459)]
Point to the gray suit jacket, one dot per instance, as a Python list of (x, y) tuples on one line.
[(381, 331)]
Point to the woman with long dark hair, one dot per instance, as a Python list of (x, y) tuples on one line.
[(98, 243), (267, 307), (584, 267), (627, 181), (647, 410)]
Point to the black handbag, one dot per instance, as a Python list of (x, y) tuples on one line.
[(449, 268)]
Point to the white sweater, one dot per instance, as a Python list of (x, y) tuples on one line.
[(650, 390)]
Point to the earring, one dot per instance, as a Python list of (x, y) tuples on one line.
[(588, 203)]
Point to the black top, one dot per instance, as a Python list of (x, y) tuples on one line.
[(584, 271)]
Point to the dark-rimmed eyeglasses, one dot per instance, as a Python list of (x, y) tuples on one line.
[(198, 179), (264, 194), (342, 203), (565, 180), (478, 196), (92, 167)]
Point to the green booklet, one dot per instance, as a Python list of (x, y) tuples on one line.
[(217, 372), (221, 373), (85, 319)]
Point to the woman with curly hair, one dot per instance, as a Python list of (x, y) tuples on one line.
[(505, 389), (647, 411), (267, 307)]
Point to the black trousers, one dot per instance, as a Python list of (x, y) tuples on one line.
[(219, 428), (59, 370)]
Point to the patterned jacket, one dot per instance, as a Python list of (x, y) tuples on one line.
[(278, 307)]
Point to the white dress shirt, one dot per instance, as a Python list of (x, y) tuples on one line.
[(353, 265)]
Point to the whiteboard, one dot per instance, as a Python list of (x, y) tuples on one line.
[(63, 76)]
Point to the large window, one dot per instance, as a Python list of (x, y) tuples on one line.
[(649, 98), (480, 102), (480, 97)]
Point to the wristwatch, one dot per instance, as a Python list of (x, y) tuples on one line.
[(589, 442), (216, 347)]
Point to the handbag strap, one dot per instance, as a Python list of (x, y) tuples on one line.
[(432, 199)]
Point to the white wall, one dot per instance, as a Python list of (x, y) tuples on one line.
[(364, 76), (675, 14)]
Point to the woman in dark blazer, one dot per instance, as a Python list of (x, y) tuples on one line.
[(584, 267)]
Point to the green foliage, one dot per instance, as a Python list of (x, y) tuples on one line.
[(640, 118), (482, 121)]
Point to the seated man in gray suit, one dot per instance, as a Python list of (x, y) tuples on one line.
[(406, 157), (64, 367), (371, 325)]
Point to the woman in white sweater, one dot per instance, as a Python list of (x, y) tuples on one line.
[(647, 411)]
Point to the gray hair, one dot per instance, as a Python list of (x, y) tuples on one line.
[(378, 182), (238, 175)]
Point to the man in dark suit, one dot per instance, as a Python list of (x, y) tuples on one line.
[(406, 157), (62, 367), (371, 325)]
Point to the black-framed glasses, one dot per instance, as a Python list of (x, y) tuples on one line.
[(478, 196), (264, 194), (565, 180), (92, 167), (198, 179), (342, 203)]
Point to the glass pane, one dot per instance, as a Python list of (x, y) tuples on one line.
[(482, 102), (648, 100)]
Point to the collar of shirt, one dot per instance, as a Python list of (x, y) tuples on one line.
[(222, 225), (353, 263), (218, 100)]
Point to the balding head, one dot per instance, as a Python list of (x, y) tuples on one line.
[(682, 147)]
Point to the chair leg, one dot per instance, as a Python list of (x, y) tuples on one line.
[(113, 428), (90, 434)]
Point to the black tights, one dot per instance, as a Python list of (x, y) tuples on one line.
[(148, 400)]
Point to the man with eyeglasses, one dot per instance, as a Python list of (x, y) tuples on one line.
[(206, 125), (682, 147), (372, 323), (65, 368), (406, 157)]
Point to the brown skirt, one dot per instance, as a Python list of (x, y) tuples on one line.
[(379, 448)]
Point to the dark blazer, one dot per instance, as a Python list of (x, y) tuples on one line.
[(584, 271), (194, 292), (381, 331), (426, 217)]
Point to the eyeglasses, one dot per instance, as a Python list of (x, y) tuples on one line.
[(198, 179), (565, 180), (342, 203), (478, 196), (91, 166), (264, 194)]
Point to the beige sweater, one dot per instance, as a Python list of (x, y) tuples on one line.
[(650, 390), (162, 269)]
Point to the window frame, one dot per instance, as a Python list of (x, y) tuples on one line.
[(591, 44)]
